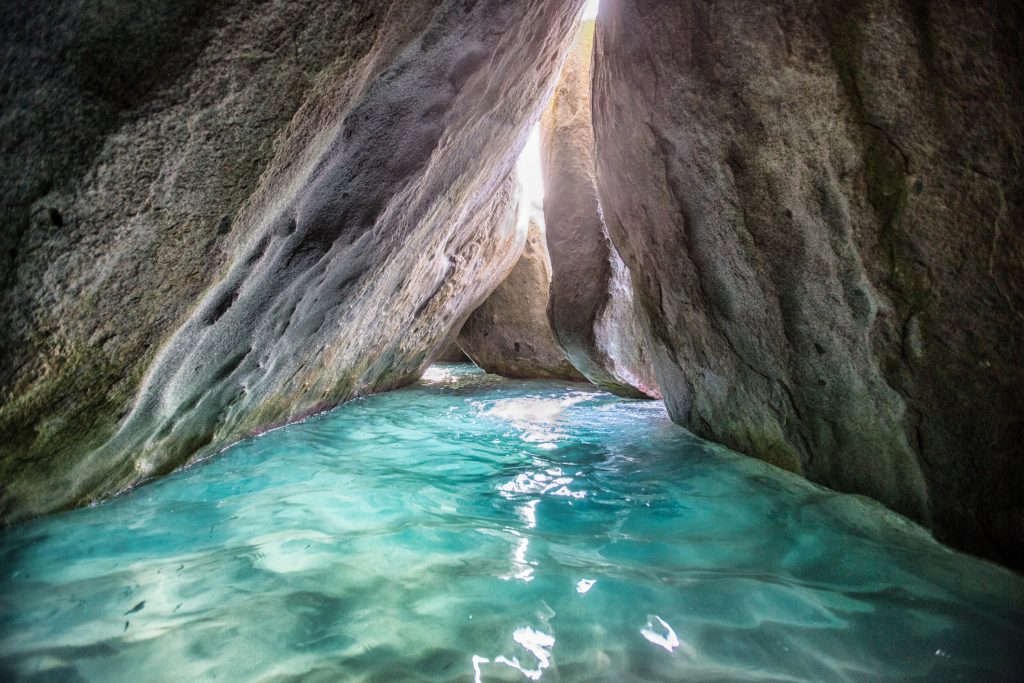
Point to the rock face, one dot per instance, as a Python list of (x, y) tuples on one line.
[(450, 353), (509, 334), (591, 308), (221, 216), (822, 203)]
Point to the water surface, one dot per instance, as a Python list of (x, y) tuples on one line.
[(471, 527)]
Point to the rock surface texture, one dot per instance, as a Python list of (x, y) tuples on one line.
[(224, 215), (591, 308), (450, 353), (822, 205), (509, 334)]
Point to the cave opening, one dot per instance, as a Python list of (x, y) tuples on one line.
[(715, 272)]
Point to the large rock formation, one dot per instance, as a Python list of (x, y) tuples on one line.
[(821, 204), (450, 353), (591, 308), (509, 334), (219, 216)]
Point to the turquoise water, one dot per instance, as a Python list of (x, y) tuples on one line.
[(471, 527)]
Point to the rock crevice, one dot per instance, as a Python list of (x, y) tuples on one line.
[(591, 306), (509, 333)]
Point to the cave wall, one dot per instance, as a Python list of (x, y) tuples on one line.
[(221, 216), (509, 333), (450, 352), (821, 206), (591, 307)]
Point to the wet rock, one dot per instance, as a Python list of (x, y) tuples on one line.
[(821, 205), (222, 216), (451, 353), (591, 307), (509, 333)]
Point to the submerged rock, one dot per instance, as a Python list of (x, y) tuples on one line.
[(821, 205), (221, 216), (509, 333), (591, 307)]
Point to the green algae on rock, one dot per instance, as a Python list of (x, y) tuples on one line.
[(820, 202), (242, 213)]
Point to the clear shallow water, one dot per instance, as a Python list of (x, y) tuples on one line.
[(474, 527)]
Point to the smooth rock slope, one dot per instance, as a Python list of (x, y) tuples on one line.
[(509, 334), (821, 204), (591, 307), (220, 216)]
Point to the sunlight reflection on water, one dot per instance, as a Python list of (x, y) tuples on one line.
[(474, 527)]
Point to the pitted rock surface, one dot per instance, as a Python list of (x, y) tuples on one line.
[(821, 204), (221, 216)]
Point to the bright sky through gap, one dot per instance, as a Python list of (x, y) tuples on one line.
[(529, 171), (528, 168)]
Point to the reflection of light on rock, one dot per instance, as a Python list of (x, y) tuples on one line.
[(584, 585), (669, 640), (612, 338)]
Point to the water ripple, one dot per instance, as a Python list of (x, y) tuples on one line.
[(471, 527)]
